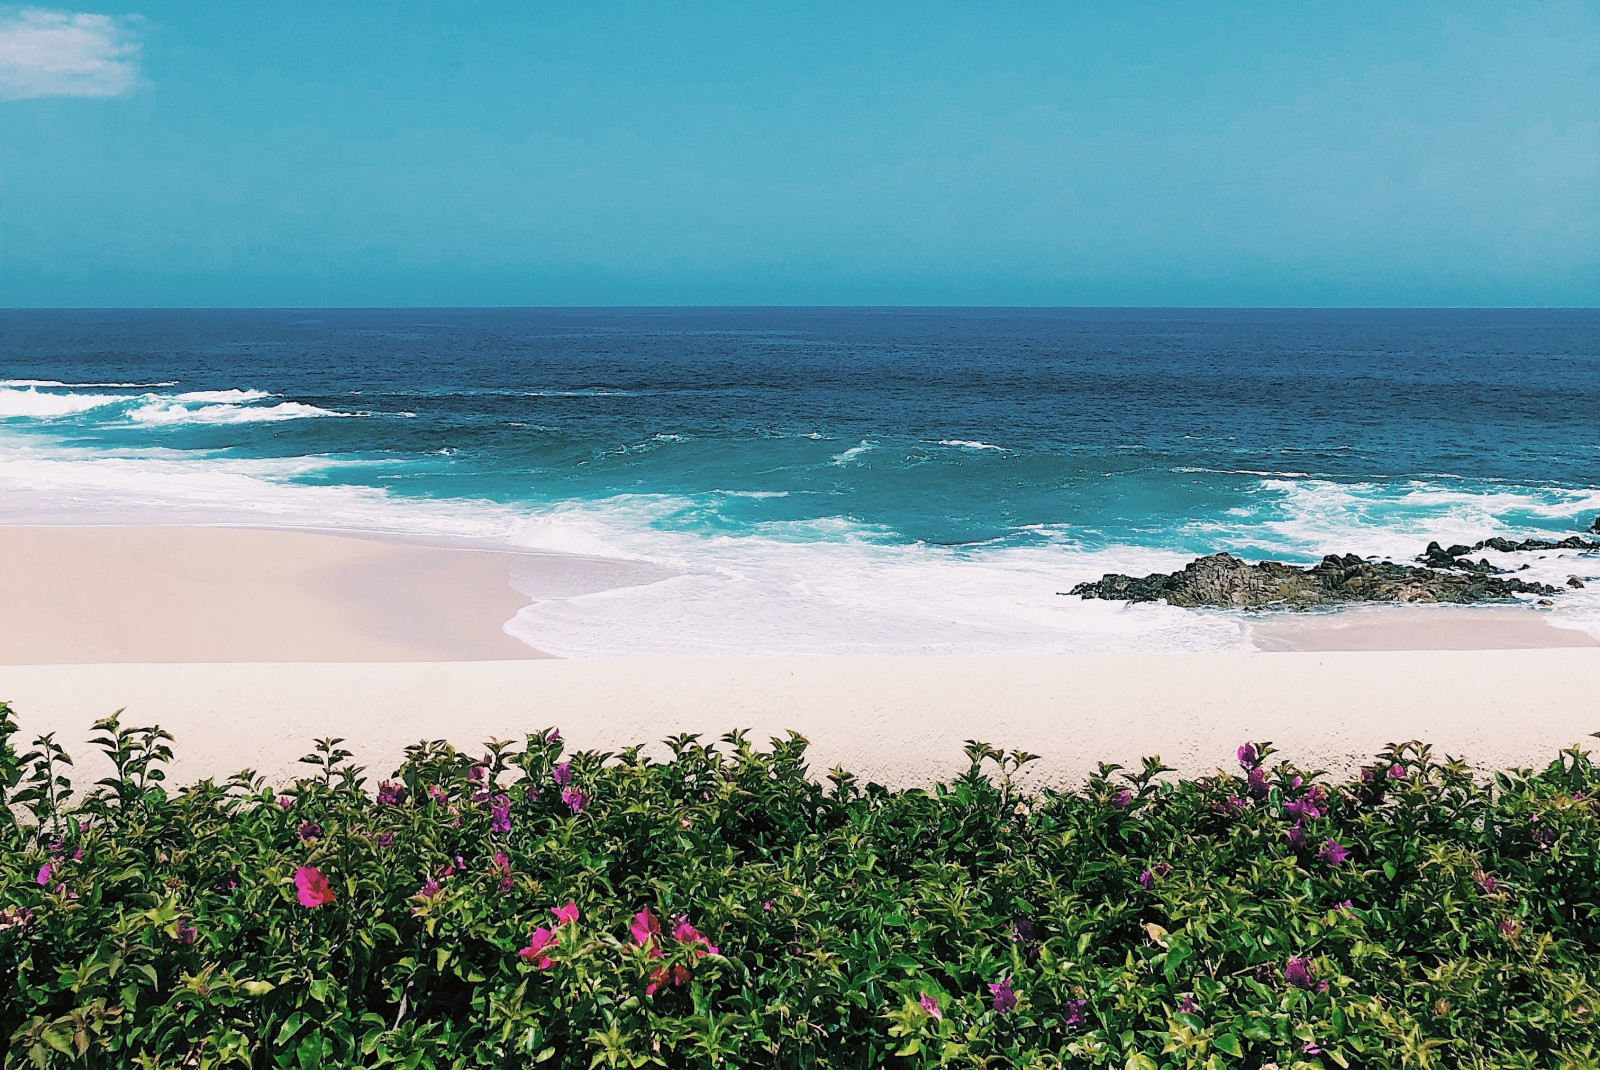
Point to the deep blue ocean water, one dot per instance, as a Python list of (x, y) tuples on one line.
[(821, 479)]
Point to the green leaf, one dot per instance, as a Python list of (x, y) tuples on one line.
[(1139, 1061), (1229, 1044)]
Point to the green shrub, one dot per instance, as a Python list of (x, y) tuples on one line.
[(722, 909)]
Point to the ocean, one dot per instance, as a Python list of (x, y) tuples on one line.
[(825, 480)]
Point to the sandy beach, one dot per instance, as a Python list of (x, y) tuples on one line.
[(198, 594), (248, 644)]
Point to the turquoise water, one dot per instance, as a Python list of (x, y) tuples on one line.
[(822, 480)]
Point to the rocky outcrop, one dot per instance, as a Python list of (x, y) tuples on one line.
[(1225, 580)]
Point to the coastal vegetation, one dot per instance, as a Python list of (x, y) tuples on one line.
[(522, 905)]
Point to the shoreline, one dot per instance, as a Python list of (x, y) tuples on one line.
[(96, 594)]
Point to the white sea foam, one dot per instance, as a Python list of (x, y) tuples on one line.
[(59, 383), (164, 412), (31, 403), (853, 452), (969, 444)]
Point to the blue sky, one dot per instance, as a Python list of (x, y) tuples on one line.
[(855, 153)]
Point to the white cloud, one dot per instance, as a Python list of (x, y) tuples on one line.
[(61, 54)]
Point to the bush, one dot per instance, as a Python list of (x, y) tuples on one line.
[(527, 907)]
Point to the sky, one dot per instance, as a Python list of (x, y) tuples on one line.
[(394, 153)]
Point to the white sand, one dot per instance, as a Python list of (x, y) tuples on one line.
[(249, 644), (897, 720), (184, 594)]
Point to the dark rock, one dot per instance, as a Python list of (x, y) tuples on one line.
[(1225, 580), (1596, 525), (1573, 581)]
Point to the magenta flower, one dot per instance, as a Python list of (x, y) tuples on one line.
[(44, 873), (312, 887), (391, 794), (384, 839), (1122, 800), (308, 831), (1249, 758), (1302, 974), (767, 905), (1147, 879), (531, 793), (502, 866), (429, 889), (285, 802), (1187, 1005), (562, 774), (1486, 882), (500, 815), (477, 773), (1304, 808), (438, 796), (186, 933), (1005, 1000), (1397, 772), (575, 799), (565, 915), (1074, 1009), (535, 952), (1296, 837), (1258, 783), (685, 933), (930, 1007), (1333, 853), (1235, 805)]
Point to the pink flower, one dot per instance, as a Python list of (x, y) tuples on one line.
[(44, 874), (1397, 772), (930, 1006), (1005, 1000), (562, 774), (767, 905), (645, 927), (565, 915), (576, 800), (429, 889), (535, 951), (1249, 757), (391, 794), (1122, 800), (312, 887)]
